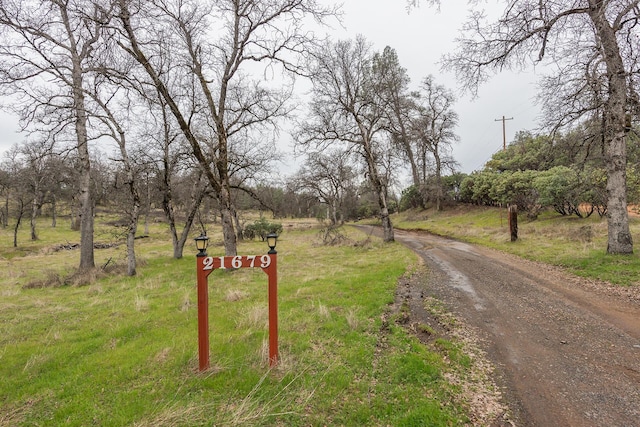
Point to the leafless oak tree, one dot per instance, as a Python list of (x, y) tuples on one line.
[(46, 51), (211, 43), (346, 109), (174, 170), (392, 83), (39, 165), (433, 132), (327, 176), (113, 117), (598, 37)]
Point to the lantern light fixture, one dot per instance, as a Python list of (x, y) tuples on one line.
[(202, 241), (272, 241)]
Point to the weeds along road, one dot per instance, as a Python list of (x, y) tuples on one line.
[(566, 349)]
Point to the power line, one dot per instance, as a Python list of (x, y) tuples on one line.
[(504, 130)]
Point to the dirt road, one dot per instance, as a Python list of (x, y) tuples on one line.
[(566, 350)]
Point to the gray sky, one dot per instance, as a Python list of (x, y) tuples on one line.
[(420, 38), (8, 131)]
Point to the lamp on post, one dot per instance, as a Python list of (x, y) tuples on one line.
[(202, 241), (272, 241)]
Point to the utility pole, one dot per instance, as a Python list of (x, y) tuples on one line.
[(504, 130)]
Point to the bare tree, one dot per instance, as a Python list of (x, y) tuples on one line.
[(46, 50), (172, 165), (347, 110), (392, 84), (113, 124), (57, 183), (327, 176), (250, 166), (597, 36), (227, 101), (432, 130), (18, 195), (38, 162)]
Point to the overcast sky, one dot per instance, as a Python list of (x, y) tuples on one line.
[(420, 38)]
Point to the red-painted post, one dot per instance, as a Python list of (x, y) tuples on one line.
[(272, 273), (203, 313), (203, 302)]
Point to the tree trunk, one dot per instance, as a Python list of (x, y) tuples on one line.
[(197, 196), (74, 217), (167, 207), (334, 212), (513, 222), (439, 195), (131, 238), (414, 167), (134, 216), (619, 239), (379, 188), (86, 195), (224, 192), (54, 212), (226, 218), (236, 218), (387, 227), (86, 207), (34, 215), (178, 249), (408, 150), (5, 214), (148, 209), (18, 220)]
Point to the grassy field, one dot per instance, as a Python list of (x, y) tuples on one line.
[(579, 245), (122, 351)]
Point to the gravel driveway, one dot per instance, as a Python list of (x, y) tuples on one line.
[(566, 350)]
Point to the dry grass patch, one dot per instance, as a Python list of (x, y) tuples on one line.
[(323, 311), (254, 317), (141, 303), (352, 318), (51, 280), (162, 356), (186, 302), (151, 283), (95, 289), (177, 415), (235, 295)]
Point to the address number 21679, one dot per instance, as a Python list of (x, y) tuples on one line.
[(246, 261)]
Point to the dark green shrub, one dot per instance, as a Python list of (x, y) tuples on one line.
[(261, 228), (410, 198)]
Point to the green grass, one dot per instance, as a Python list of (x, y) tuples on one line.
[(579, 245), (123, 351)]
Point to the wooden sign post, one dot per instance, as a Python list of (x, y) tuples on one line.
[(513, 222), (206, 264)]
